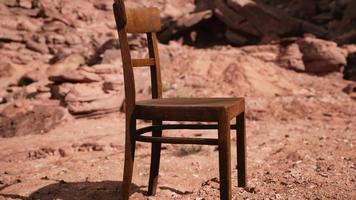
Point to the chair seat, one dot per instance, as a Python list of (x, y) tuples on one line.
[(189, 109)]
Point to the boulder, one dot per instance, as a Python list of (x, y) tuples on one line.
[(26, 117), (321, 56), (244, 22), (306, 54), (268, 21)]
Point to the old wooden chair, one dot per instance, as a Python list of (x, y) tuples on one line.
[(158, 109)]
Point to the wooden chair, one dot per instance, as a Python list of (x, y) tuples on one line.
[(158, 109)]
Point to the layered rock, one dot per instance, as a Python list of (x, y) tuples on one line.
[(321, 56), (24, 117), (58, 51), (307, 54), (262, 21), (89, 90)]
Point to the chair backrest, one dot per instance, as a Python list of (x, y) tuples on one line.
[(139, 20)]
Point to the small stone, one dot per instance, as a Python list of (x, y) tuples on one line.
[(250, 190), (2, 100), (62, 152)]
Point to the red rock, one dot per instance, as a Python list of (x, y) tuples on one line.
[(349, 48), (110, 103), (43, 95), (107, 68), (26, 4), (321, 56), (29, 25), (68, 63), (76, 76), (6, 70), (32, 76), (291, 57), (85, 92), (7, 35), (111, 56), (268, 21), (62, 89), (350, 89), (26, 117), (55, 39), (72, 38)]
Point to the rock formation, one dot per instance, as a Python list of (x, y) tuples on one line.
[(67, 52), (262, 21)]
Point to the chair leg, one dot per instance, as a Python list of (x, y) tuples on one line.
[(241, 150), (130, 145), (155, 160), (224, 159)]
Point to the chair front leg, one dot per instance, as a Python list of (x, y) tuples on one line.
[(241, 150), (224, 158), (155, 160), (130, 145)]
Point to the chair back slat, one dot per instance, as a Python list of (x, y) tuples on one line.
[(143, 62), (141, 20)]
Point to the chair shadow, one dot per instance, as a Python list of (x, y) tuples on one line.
[(105, 190)]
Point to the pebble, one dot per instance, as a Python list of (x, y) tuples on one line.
[(2, 100)]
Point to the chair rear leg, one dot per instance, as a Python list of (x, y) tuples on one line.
[(155, 161), (224, 159), (130, 145), (241, 150)]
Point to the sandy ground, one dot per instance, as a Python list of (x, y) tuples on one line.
[(299, 147)]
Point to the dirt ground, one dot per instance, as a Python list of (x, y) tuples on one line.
[(301, 127), (299, 147)]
